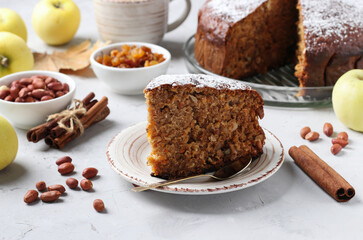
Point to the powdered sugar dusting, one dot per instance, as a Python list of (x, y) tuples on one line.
[(197, 80), (233, 10), (324, 20)]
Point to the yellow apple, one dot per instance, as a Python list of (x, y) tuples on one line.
[(56, 21), (15, 56), (348, 99), (8, 143), (10, 21)]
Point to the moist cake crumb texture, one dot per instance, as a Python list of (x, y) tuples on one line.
[(200, 123)]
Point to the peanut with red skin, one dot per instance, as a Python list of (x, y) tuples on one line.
[(335, 149), (72, 183), (59, 93), (312, 136), (24, 92), (89, 172), (339, 141), (4, 93), (31, 196), (343, 135), (50, 196), (14, 92), (46, 98), (15, 83), (98, 205), (19, 99), (65, 87), (304, 131), (38, 83), (38, 93), (49, 80), (9, 98), (41, 186), (63, 160), (26, 81), (30, 87), (65, 168), (86, 184), (55, 86), (29, 99), (57, 187), (328, 129)]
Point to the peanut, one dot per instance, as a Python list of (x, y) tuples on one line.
[(14, 92), (59, 93), (86, 184), (36, 86), (46, 98), (312, 136), (65, 87), (38, 93), (328, 129), (63, 160), (50, 196), (72, 183), (30, 87), (15, 83), (65, 168), (304, 131), (41, 186), (4, 93), (55, 86), (31, 196), (335, 149), (57, 187), (343, 135), (29, 99), (49, 80), (9, 98), (24, 92), (89, 172), (98, 205), (19, 99), (339, 141), (38, 83), (26, 81)]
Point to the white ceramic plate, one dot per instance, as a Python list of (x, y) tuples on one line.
[(128, 150)]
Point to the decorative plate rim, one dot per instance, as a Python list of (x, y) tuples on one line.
[(191, 191)]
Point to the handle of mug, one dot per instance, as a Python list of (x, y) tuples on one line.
[(182, 18)]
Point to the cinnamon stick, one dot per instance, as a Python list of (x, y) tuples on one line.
[(57, 131), (95, 114), (325, 176), (41, 131)]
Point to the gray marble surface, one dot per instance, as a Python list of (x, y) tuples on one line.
[(289, 205)]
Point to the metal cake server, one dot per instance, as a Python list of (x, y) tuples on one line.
[(227, 172)]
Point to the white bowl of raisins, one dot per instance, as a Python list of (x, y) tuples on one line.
[(127, 67), (28, 98)]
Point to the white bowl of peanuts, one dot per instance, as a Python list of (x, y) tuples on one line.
[(28, 98), (127, 67)]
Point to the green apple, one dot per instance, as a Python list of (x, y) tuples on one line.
[(56, 21), (348, 99), (8, 143), (10, 21), (15, 56)]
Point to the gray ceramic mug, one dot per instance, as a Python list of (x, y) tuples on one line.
[(135, 20)]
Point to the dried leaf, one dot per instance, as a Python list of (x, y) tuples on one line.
[(75, 58)]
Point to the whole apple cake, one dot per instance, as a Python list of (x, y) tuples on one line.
[(199, 123), (238, 39)]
